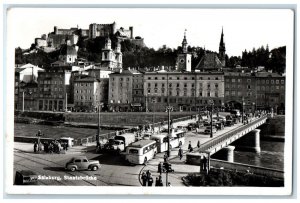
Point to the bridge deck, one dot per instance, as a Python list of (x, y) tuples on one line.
[(215, 144)]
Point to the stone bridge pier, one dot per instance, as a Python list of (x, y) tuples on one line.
[(226, 154), (249, 142)]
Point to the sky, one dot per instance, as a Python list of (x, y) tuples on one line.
[(243, 28)]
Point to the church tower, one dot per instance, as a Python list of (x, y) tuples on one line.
[(107, 54), (222, 49), (118, 54), (184, 59)]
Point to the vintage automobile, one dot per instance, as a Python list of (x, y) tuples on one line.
[(82, 163), (25, 177), (208, 130)]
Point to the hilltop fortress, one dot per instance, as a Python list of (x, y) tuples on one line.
[(59, 36)]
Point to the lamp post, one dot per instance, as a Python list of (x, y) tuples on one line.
[(243, 103), (211, 102), (169, 109), (98, 133)]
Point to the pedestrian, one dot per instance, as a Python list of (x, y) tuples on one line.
[(160, 182), (148, 174), (166, 157), (156, 182), (67, 145), (180, 153), (204, 164), (159, 168), (144, 179), (150, 180), (190, 148), (35, 147), (198, 144)]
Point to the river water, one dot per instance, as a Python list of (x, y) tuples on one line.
[(271, 155)]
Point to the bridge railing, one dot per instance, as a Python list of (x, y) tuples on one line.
[(206, 146)]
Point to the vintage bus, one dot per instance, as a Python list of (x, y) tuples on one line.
[(176, 140), (141, 152)]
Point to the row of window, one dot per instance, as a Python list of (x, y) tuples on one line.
[(216, 85), (237, 93), (85, 97), (270, 81), (267, 88), (88, 91), (183, 78), (83, 84), (51, 82)]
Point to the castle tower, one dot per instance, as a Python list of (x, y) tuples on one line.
[(184, 59), (222, 49)]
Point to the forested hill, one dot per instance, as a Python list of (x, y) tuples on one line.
[(137, 56)]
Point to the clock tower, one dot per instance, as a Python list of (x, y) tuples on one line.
[(184, 59)]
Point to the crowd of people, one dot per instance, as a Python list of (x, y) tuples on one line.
[(51, 146), (147, 180)]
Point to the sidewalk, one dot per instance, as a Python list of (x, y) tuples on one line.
[(28, 148)]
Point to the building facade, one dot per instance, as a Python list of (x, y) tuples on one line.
[(270, 88), (54, 88), (183, 91), (86, 93), (255, 91), (240, 90), (138, 99), (120, 96)]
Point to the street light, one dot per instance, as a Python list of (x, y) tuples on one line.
[(211, 102), (98, 133), (169, 109), (243, 103)]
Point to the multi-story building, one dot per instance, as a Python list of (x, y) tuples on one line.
[(120, 90), (54, 88), (254, 91), (24, 74), (184, 91), (138, 99), (240, 88), (270, 89), (28, 92), (87, 94)]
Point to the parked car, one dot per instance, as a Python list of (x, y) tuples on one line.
[(192, 126), (219, 126), (208, 130), (25, 177), (229, 122), (182, 128), (82, 163)]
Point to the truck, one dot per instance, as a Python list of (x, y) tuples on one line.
[(120, 142)]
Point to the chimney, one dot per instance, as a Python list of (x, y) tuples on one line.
[(131, 32)]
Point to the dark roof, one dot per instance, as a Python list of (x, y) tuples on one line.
[(126, 72), (86, 79), (238, 74), (209, 61), (18, 70), (267, 74)]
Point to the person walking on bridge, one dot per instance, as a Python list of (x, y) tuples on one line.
[(180, 153)]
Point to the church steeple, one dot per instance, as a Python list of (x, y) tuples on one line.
[(222, 49), (184, 43)]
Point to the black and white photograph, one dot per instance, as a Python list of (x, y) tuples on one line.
[(149, 100)]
